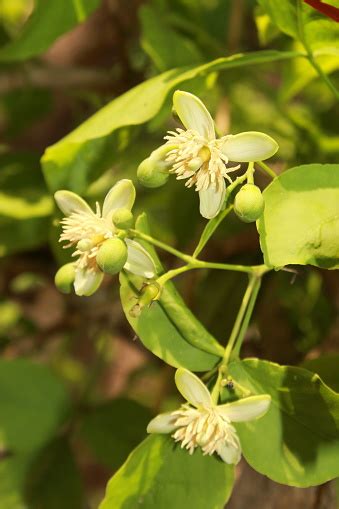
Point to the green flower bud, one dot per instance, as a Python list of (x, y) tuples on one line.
[(112, 256), (149, 293), (152, 173), (249, 203), (122, 218), (64, 278)]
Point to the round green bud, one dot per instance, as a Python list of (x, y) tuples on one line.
[(122, 218), (64, 278), (152, 173), (112, 256), (249, 203)]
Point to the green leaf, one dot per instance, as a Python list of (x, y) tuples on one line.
[(159, 334), (25, 205), (49, 20), (166, 47), (54, 480), (283, 14), (300, 221), (161, 475), (326, 366), (113, 429), (34, 404), (318, 31), (75, 161), (178, 338), (297, 441)]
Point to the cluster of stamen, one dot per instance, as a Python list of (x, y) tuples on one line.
[(199, 160), (87, 231), (203, 427)]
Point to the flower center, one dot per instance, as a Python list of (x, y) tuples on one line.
[(200, 161), (202, 427), (87, 231)]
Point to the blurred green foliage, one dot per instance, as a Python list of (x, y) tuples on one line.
[(52, 426)]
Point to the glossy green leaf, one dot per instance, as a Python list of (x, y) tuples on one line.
[(34, 404), (54, 480), (327, 367), (25, 205), (179, 338), (160, 475), (297, 441), (300, 221), (75, 161), (49, 20), (113, 429)]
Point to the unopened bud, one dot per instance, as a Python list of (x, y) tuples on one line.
[(64, 278), (149, 293), (152, 173), (249, 203), (112, 256), (122, 218)]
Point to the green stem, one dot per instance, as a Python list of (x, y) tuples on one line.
[(216, 388), (309, 52), (247, 317), (162, 245), (194, 263), (267, 169), (173, 273), (240, 317), (250, 173)]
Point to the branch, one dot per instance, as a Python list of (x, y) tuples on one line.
[(39, 76)]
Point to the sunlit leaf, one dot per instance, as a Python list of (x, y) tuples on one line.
[(297, 441), (300, 221), (159, 475)]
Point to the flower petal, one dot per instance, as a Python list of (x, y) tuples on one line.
[(229, 453), (192, 388), (139, 262), (163, 423), (249, 146), (69, 202), (212, 200), (245, 409), (87, 282), (193, 114), (120, 196)]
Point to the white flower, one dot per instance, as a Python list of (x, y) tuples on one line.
[(203, 159), (87, 231), (201, 422)]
